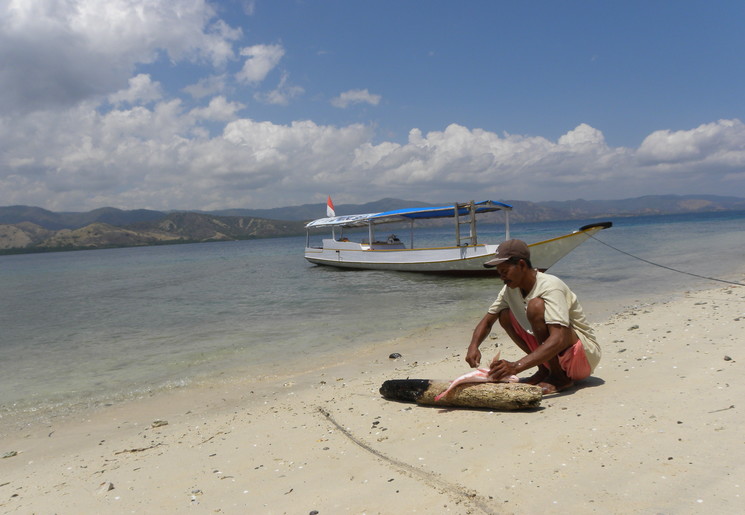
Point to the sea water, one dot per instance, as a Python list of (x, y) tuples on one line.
[(82, 329)]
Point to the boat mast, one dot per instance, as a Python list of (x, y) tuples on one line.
[(457, 224), (471, 221), (506, 224), (472, 209)]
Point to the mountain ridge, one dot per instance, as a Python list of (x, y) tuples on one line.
[(557, 210), (34, 229)]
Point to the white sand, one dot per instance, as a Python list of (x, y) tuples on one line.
[(657, 429)]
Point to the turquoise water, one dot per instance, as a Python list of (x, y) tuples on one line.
[(86, 328)]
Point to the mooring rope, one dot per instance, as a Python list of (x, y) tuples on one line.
[(666, 267)]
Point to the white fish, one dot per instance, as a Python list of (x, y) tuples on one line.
[(480, 375)]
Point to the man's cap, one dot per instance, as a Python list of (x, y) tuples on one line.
[(509, 249)]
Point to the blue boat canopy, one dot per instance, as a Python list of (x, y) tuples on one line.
[(401, 215)]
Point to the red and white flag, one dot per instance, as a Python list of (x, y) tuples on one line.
[(330, 207)]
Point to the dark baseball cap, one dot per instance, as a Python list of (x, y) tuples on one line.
[(509, 249)]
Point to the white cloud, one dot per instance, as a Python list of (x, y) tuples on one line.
[(160, 156), (282, 94), (141, 90), (219, 109), (583, 136), (355, 96), (262, 59), (58, 53), (722, 141), (157, 157), (207, 86)]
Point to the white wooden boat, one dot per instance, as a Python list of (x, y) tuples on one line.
[(466, 255)]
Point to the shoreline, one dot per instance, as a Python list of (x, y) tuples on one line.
[(60, 410), (656, 429), (244, 374)]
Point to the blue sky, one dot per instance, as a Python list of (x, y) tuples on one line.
[(188, 104)]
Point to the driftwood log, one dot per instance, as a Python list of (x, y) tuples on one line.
[(499, 396)]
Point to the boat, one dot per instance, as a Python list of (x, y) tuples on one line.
[(465, 256)]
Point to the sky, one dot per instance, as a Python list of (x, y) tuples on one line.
[(203, 105)]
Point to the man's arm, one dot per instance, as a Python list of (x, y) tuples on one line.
[(473, 356)]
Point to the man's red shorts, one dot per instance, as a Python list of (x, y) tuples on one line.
[(573, 360)]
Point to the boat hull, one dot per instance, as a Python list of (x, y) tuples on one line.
[(465, 259)]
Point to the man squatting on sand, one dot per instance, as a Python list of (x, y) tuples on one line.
[(543, 317)]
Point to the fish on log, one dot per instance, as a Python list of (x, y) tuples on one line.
[(498, 396)]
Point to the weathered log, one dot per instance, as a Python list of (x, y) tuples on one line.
[(499, 396)]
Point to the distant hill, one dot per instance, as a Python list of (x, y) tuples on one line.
[(57, 221), (648, 205), (168, 229), (32, 229), (100, 235), (207, 227), (523, 211)]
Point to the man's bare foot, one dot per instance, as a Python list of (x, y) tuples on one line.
[(549, 388)]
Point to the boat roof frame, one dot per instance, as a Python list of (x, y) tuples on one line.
[(408, 214)]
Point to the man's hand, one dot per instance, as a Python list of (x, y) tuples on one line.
[(473, 356), (500, 368)]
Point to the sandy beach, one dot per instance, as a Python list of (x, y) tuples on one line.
[(656, 429)]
